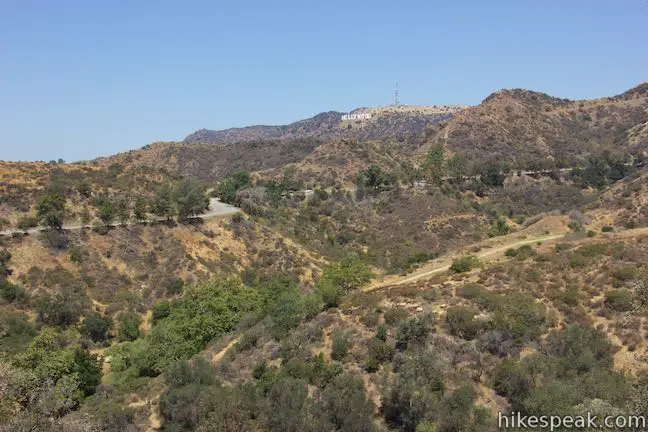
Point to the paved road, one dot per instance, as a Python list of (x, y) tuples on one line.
[(216, 208)]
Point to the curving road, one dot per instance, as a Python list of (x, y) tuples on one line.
[(216, 208)]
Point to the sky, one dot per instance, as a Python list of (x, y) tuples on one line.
[(81, 79)]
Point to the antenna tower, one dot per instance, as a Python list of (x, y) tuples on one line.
[(396, 99)]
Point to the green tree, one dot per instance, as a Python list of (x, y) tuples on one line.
[(84, 217), (139, 209), (122, 209), (163, 204), (458, 166), (96, 327), (50, 210), (190, 198), (435, 164), (128, 326)]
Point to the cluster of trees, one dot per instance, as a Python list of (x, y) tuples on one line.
[(375, 179), (603, 169), (181, 199), (228, 188)]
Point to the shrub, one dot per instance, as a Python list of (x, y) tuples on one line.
[(620, 300), (380, 351), (414, 331), (461, 322), (12, 293), (341, 345), (128, 326), (27, 222), (395, 315), (607, 228), (499, 228), (464, 264), (96, 327), (161, 310)]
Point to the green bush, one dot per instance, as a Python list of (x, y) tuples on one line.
[(340, 346), (464, 264), (621, 300), (607, 228), (395, 315), (96, 327), (414, 331), (27, 222), (461, 322), (128, 326)]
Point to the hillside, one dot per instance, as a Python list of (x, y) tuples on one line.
[(392, 122), (366, 285), (521, 125)]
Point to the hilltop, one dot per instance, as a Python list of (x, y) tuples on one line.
[(395, 122), (521, 125)]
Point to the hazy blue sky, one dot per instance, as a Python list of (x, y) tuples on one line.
[(79, 79)]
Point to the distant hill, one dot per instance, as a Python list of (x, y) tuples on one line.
[(524, 125), (384, 122)]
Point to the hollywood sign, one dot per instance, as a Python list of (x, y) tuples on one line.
[(365, 116)]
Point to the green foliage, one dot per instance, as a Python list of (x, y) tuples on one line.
[(50, 210), (375, 179), (379, 352), (59, 309), (10, 292), (492, 174), (190, 198), (499, 227), (202, 314), (607, 228), (464, 264), (339, 279), (461, 322), (395, 315), (161, 310), (49, 358), (227, 188), (27, 222), (435, 165), (96, 327), (283, 303), (414, 331), (128, 324), (621, 300), (139, 209), (174, 286), (413, 397), (340, 346), (106, 208), (345, 406), (574, 365), (15, 332), (162, 204)]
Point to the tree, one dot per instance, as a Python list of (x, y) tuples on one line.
[(122, 209), (106, 209), (139, 209), (128, 329), (50, 210), (84, 217), (163, 202), (96, 327), (190, 198), (458, 166), (492, 174), (375, 178), (434, 166)]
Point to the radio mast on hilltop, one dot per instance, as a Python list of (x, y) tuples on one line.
[(396, 99)]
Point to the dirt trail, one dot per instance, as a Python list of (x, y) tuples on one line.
[(216, 358), (443, 264)]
